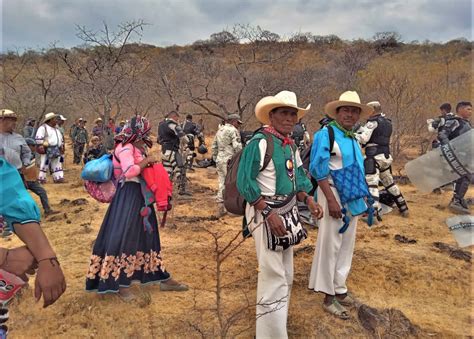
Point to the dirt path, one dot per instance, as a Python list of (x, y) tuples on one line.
[(431, 288)]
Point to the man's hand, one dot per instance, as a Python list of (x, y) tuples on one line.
[(334, 209), (19, 261), (315, 209), (276, 224), (50, 282)]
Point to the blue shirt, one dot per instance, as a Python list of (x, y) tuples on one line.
[(347, 151), (16, 204)]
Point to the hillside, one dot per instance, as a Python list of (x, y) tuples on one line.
[(430, 287), (212, 79)]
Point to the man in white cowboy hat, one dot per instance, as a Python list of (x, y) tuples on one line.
[(61, 119), (226, 143), (271, 188), (13, 144), (375, 136), (337, 229), (50, 145)]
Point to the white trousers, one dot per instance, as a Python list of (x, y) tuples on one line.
[(333, 255), (54, 165), (275, 279), (382, 173)]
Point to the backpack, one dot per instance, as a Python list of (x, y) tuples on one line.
[(98, 170), (234, 202), (305, 156), (101, 191)]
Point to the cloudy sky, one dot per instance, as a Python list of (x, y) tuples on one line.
[(38, 23)]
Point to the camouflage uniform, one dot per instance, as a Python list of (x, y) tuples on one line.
[(226, 143), (80, 138)]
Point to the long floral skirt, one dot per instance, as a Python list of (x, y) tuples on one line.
[(124, 252)]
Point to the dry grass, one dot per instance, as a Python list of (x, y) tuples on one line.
[(432, 289)]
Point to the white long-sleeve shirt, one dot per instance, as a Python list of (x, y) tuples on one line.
[(52, 135)]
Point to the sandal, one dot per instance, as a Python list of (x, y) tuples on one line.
[(127, 296), (176, 287), (336, 309), (346, 301)]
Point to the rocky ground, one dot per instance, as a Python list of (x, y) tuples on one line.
[(405, 277)]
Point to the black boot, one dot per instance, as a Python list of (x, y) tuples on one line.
[(402, 205)]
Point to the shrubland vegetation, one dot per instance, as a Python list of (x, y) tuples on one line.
[(110, 73)]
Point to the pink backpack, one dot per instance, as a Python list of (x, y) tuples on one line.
[(101, 191)]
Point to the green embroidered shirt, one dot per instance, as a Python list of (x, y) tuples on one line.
[(283, 175)]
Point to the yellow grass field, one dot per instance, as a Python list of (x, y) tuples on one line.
[(431, 288)]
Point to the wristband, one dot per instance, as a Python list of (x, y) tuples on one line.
[(266, 212), (52, 261)]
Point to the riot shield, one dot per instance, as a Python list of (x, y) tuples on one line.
[(462, 227), (443, 165)]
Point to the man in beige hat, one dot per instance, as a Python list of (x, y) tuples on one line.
[(98, 129), (375, 136), (226, 143), (50, 145), (337, 229), (271, 188), (13, 143)]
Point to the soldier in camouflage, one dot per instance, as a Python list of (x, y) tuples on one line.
[(226, 143), (80, 138)]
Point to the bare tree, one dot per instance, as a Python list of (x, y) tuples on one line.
[(233, 79), (105, 70), (34, 83)]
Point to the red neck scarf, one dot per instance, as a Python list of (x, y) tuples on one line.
[(286, 140)]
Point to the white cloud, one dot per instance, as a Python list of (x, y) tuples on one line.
[(36, 23)]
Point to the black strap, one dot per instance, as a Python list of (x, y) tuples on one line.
[(116, 158), (331, 139)]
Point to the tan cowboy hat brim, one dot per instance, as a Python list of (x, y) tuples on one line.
[(50, 116), (6, 113), (331, 107), (267, 104)]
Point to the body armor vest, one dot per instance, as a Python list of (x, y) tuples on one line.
[(189, 128), (381, 135), (464, 126), (167, 138)]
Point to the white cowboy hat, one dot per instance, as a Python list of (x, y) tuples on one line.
[(97, 120), (282, 99), (49, 116), (348, 98), (6, 113)]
